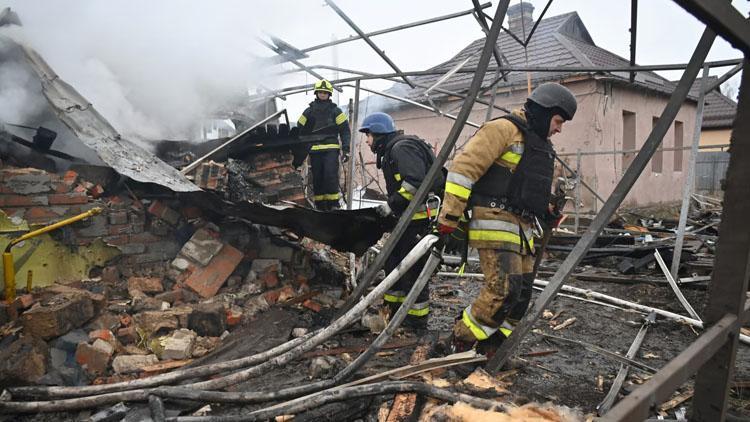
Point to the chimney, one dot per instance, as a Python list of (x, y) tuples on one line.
[(520, 19)]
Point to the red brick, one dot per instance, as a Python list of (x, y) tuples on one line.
[(286, 293), (312, 305), (24, 301), (234, 317), (270, 279), (23, 201), (80, 189), (161, 210), (146, 284), (105, 335), (72, 198), (118, 217), (120, 229), (70, 178), (208, 280), (40, 215), (60, 187), (125, 320), (96, 192), (120, 240), (144, 237), (95, 360), (191, 212), (272, 296)]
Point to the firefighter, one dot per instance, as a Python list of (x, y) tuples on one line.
[(504, 176), (323, 117), (404, 160)]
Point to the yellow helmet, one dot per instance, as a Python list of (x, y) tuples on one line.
[(324, 85)]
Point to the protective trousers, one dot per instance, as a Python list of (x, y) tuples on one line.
[(397, 294), (325, 174), (504, 298)]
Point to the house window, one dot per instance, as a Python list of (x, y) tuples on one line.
[(657, 161), (678, 152), (628, 138)]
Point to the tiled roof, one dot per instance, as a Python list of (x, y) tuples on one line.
[(558, 41), (719, 110)]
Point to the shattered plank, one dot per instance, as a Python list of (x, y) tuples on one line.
[(341, 350), (405, 404)]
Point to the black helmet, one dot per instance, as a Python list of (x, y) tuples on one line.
[(555, 96)]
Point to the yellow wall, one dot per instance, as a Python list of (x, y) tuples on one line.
[(715, 137)]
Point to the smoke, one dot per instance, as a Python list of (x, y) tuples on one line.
[(153, 69)]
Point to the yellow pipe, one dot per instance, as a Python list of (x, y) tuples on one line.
[(29, 280), (9, 271)]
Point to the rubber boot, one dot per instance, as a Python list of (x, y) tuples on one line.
[(489, 346)]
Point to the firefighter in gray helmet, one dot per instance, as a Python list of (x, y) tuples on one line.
[(504, 176)]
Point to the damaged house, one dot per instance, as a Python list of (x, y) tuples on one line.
[(613, 114)]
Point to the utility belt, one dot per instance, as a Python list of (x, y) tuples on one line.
[(478, 200)]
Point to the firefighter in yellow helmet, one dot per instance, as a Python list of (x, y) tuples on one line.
[(323, 117), (504, 176)]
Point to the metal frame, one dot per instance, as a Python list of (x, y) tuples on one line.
[(712, 354)]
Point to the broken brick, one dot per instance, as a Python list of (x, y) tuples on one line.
[(24, 301), (312, 305), (179, 345), (94, 358), (161, 210), (202, 247), (171, 297), (191, 213), (105, 335), (23, 362), (146, 284), (127, 335), (23, 201), (234, 316), (58, 315), (70, 178), (270, 279), (40, 215), (153, 321), (287, 292), (118, 217), (72, 198), (96, 192), (208, 280), (209, 319), (126, 364), (272, 296)]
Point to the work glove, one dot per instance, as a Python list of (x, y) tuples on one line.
[(384, 210), (345, 157), (444, 230), (553, 219)]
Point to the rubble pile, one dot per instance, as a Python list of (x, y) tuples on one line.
[(171, 286)]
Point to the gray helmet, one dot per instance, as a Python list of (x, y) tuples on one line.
[(551, 95)]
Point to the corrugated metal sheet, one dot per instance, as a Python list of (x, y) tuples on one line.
[(77, 113)]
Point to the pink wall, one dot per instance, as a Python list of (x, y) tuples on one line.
[(596, 127)]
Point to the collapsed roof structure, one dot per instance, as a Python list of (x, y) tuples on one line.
[(711, 356)]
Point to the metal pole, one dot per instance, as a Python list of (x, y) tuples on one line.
[(192, 166), (556, 69), (614, 201), (354, 112), (491, 105), (367, 39), (725, 77), (538, 20), (633, 29), (723, 18), (296, 62), (395, 28), (416, 104), (729, 281), (578, 191), (437, 166), (689, 186)]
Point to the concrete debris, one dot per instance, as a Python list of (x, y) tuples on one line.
[(113, 414), (126, 364), (209, 319), (23, 362), (323, 367), (94, 358), (179, 345), (58, 315)]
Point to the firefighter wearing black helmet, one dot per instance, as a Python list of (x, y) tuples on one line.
[(404, 160), (504, 177), (323, 117)]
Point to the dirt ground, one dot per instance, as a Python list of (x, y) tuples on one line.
[(571, 376)]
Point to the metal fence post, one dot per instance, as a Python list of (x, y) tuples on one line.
[(577, 190), (687, 190)]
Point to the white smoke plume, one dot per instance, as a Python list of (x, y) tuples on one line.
[(153, 69)]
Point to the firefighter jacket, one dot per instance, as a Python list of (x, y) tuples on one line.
[(405, 160), (497, 142), (325, 118)]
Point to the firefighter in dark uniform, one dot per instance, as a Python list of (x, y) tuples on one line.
[(504, 175), (323, 117), (404, 160)]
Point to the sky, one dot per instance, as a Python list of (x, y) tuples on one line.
[(153, 68)]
